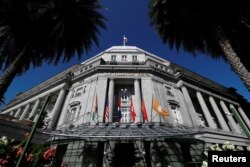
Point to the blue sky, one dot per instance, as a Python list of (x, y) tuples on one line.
[(130, 18)]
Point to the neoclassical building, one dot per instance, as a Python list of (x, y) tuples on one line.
[(128, 107)]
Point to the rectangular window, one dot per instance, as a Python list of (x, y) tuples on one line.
[(78, 92), (69, 118), (124, 57), (169, 91), (134, 58), (113, 57), (125, 115)]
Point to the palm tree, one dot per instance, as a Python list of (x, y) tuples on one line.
[(218, 28), (37, 31)]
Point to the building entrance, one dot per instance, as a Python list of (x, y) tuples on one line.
[(124, 155), (124, 98)]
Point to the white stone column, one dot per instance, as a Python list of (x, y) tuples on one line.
[(12, 113), (101, 90), (218, 114), (34, 110), (111, 98), (25, 112), (137, 100), (205, 110), (190, 106), (57, 108), (43, 94), (230, 117), (18, 112), (245, 118)]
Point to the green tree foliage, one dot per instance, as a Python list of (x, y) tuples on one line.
[(217, 28), (35, 31)]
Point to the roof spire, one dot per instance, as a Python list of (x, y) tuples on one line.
[(125, 40)]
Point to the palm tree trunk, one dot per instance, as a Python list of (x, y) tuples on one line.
[(232, 57), (10, 73)]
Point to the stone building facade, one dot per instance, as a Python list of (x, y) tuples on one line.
[(109, 111)]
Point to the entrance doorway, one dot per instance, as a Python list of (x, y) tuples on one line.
[(124, 155)]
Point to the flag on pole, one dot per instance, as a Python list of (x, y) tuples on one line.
[(119, 112), (159, 109), (144, 111), (94, 108), (106, 111), (125, 40), (132, 110)]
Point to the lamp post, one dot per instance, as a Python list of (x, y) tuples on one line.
[(32, 132), (241, 122)]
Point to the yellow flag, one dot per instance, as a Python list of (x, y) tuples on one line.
[(159, 109)]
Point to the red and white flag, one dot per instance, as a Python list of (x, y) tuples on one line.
[(132, 110), (106, 112), (144, 111)]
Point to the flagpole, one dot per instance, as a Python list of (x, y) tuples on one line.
[(151, 115), (153, 94), (123, 40)]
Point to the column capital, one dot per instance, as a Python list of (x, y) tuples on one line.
[(198, 92), (136, 79), (211, 97), (180, 84), (66, 86)]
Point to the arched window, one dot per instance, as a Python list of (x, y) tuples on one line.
[(78, 91)]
